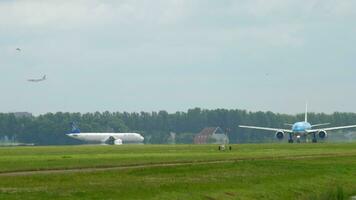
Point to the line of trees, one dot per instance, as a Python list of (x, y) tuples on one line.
[(50, 128)]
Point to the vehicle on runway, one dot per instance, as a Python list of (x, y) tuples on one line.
[(105, 138), (37, 80), (301, 129)]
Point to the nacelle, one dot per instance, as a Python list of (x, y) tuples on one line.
[(322, 134), (279, 135), (118, 142)]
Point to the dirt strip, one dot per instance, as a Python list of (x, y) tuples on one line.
[(182, 163)]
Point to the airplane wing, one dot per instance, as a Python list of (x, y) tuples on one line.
[(266, 128), (332, 128), (324, 124)]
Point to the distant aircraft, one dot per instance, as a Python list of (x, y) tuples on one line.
[(105, 138), (18, 49), (37, 80), (300, 129)]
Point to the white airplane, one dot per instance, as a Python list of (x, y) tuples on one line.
[(300, 129), (37, 80), (105, 138)]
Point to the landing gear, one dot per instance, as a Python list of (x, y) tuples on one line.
[(290, 138), (298, 138), (314, 138)]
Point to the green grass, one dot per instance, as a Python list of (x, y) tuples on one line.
[(253, 171)]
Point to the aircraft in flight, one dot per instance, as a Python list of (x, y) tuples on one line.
[(37, 80), (105, 138), (301, 129)]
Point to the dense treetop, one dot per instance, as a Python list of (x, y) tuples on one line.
[(51, 128)]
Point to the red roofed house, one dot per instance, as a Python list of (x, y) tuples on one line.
[(214, 135)]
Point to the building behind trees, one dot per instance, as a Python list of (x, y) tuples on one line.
[(211, 135)]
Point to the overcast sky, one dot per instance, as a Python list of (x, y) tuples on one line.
[(140, 55)]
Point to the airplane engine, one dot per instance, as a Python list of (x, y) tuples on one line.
[(118, 142), (279, 135), (322, 134)]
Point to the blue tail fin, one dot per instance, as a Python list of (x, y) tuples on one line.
[(75, 129)]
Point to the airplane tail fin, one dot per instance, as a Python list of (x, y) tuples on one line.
[(306, 113), (44, 77), (75, 129)]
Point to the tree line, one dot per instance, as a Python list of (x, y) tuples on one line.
[(50, 128)]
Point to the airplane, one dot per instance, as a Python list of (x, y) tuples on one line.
[(18, 49), (301, 129), (105, 138), (37, 80)]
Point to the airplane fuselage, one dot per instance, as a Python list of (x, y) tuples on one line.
[(301, 128), (103, 137), (37, 80)]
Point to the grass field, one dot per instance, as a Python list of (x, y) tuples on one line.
[(249, 171)]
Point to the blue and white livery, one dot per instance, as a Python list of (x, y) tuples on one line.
[(105, 138), (301, 129)]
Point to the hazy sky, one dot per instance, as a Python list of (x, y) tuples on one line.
[(133, 55)]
